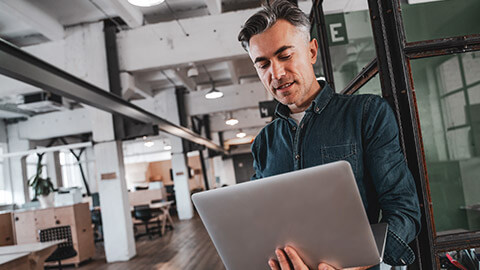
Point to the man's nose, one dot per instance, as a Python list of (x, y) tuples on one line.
[(278, 71)]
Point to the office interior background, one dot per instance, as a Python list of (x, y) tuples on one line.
[(111, 99)]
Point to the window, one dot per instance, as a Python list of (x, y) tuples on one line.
[(31, 162), (71, 175), (448, 112)]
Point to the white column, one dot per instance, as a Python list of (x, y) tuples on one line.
[(116, 218), (89, 169), (18, 180), (165, 105), (86, 58), (180, 180)]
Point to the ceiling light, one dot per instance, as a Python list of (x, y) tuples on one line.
[(149, 144), (213, 94), (167, 147), (145, 3), (231, 121), (241, 134), (192, 72)]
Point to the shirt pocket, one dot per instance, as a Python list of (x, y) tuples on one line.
[(347, 152)]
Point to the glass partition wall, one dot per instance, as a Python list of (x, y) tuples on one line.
[(424, 60)]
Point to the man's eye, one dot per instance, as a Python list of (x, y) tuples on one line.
[(285, 57), (263, 66)]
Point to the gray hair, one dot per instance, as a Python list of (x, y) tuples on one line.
[(269, 15)]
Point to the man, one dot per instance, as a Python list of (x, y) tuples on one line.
[(316, 126)]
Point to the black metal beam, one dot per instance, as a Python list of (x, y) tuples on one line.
[(319, 18), (395, 79), (368, 72), (19, 65), (204, 170), (110, 34), (443, 46)]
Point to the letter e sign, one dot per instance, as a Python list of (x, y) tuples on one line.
[(336, 29)]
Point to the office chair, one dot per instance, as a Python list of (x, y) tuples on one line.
[(144, 213), (97, 225), (64, 250)]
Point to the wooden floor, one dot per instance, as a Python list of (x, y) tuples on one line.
[(188, 246)]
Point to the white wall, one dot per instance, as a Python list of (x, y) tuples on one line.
[(224, 170)]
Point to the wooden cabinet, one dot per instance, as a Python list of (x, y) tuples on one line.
[(6, 229), (24, 226), (77, 216)]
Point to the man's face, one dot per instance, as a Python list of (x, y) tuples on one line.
[(283, 59)]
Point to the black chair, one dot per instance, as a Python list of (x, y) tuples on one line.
[(64, 250), (97, 225), (145, 214)]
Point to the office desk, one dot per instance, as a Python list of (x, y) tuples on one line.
[(164, 213), (26, 256), (162, 210)]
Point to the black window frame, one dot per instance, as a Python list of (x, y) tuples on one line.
[(392, 63)]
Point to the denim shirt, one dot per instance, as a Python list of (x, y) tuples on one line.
[(362, 130)]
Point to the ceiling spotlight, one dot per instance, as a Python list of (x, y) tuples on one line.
[(213, 94), (230, 120), (241, 134), (149, 144), (145, 3), (192, 72), (167, 147)]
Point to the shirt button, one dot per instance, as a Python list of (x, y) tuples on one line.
[(297, 157), (294, 128), (317, 109)]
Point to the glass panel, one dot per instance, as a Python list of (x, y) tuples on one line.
[(471, 65), (350, 39), (449, 74), (371, 87), (474, 94), (440, 19), (451, 137), (453, 116)]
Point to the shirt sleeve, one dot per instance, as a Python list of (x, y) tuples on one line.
[(393, 181)]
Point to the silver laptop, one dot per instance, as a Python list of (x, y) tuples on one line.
[(317, 210)]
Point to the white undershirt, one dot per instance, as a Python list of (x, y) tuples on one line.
[(297, 117)]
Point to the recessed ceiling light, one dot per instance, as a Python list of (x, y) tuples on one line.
[(167, 147), (145, 3)]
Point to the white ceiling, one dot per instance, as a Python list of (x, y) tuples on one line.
[(34, 22)]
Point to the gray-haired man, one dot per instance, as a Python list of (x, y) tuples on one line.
[(316, 126)]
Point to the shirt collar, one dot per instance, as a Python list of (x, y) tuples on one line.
[(317, 106)]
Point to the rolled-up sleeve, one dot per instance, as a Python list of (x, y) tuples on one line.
[(392, 179)]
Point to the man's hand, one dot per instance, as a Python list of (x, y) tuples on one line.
[(288, 259)]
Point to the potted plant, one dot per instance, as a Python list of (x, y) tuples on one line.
[(42, 187)]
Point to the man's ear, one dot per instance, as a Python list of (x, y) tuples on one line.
[(313, 47)]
